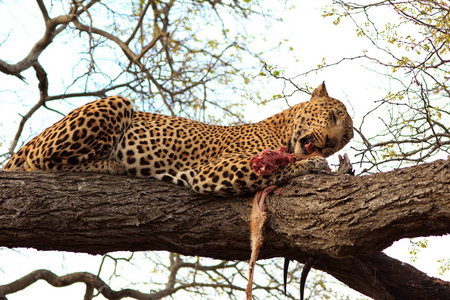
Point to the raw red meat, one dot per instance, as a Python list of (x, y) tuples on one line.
[(270, 160)]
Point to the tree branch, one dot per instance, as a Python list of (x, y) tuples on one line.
[(59, 281), (31, 58), (43, 10), (343, 222), (93, 281)]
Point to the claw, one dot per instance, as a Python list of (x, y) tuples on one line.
[(345, 166), (306, 268), (305, 271), (285, 273)]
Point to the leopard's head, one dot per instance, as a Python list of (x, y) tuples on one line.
[(322, 125)]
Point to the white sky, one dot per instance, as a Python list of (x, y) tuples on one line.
[(312, 38)]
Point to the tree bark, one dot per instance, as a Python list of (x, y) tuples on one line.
[(343, 222)]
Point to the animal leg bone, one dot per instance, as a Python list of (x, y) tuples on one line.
[(257, 220)]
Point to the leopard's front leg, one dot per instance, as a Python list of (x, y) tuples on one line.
[(233, 174)]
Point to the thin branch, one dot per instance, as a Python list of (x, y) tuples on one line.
[(129, 53), (43, 10), (139, 23), (43, 88)]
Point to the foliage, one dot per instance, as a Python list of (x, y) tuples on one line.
[(411, 44), (415, 245), (407, 46)]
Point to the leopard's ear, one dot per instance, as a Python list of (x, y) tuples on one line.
[(320, 91)]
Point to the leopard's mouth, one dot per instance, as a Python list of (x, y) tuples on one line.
[(307, 145)]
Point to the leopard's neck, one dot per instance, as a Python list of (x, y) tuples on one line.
[(283, 122)]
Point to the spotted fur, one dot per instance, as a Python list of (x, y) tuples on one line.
[(107, 136)]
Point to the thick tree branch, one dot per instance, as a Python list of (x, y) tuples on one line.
[(341, 221), (382, 277)]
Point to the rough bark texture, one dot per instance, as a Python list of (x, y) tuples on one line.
[(342, 221)]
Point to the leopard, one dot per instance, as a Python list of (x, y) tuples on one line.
[(109, 136)]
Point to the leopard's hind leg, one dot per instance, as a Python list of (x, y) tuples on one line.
[(81, 142)]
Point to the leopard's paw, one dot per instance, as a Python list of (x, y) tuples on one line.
[(117, 168), (317, 164)]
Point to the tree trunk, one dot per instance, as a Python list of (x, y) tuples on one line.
[(343, 222)]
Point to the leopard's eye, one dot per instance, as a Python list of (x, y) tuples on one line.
[(333, 117)]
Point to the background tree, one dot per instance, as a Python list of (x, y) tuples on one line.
[(162, 54), (411, 45)]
